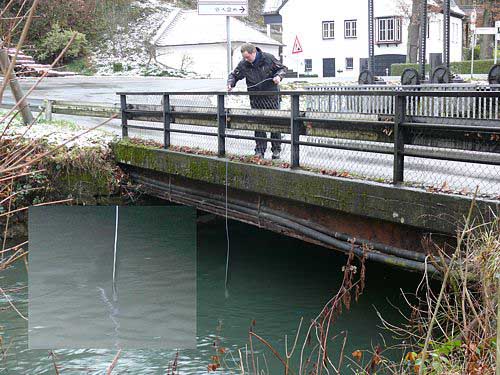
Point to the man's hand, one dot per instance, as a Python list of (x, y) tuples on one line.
[(229, 88), (277, 80)]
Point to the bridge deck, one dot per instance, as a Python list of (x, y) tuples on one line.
[(392, 221), (350, 177), (448, 141)]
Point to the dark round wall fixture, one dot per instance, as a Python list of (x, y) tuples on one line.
[(494, 75), (410, 76), (366, 78), (441, 74)]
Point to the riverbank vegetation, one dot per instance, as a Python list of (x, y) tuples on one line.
[(34, 154), (451, 327), (41, 163), (60, 161)]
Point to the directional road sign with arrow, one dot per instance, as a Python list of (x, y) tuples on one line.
[(223, 7)]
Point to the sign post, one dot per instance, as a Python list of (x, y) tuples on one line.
[(229, 48), (228, 8), (497, 39), (297, 48), (488, 31), (473, 17)]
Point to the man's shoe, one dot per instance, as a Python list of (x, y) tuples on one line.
[(276, 155), (259, 154)]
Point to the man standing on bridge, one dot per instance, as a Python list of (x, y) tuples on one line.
[(263, 72)]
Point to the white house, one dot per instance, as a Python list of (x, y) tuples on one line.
[(334, 35), (198, 43)]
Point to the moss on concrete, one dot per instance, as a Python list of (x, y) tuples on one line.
[(89, 175)]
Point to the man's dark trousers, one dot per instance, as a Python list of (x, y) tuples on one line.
[(266, 102)]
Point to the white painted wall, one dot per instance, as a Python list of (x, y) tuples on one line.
[(206, 59), (435, 42), (306, 23)]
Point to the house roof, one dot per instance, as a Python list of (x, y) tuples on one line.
[(186, 27), (274, 6), (455, 10)]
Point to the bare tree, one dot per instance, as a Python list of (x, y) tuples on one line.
[(17, 92), (486, 41), (411, 11), (186, 62), (413, 32)]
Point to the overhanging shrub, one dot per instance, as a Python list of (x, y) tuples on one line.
[(458, 67), (54, 42)]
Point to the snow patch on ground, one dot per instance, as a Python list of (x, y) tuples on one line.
[(57, 133), (126, 53)]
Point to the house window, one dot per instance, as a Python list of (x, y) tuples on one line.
[(428, 27), (350, 29), (328, 29), (349, 63), (388, 30), (308, 64)]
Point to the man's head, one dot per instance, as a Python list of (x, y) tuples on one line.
[(249, 52)]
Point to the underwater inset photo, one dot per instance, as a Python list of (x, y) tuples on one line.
[(112, 277)]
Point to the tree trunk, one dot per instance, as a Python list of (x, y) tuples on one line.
[(487, 41), (413, 32), (15, 88)]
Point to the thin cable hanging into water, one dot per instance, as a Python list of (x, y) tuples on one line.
[(226, 183), (227, 227), (113, 308), (114, 256), (114, 312)]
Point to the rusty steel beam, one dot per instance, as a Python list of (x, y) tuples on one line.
[(383, 242)]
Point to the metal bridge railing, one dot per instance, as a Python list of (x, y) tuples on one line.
[(453, 153), (446, 107)]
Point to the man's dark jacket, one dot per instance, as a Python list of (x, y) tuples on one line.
[(265, 66)]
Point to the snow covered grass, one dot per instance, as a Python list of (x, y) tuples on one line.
[(56, 133)]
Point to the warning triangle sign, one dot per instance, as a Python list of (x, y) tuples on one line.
[(297, 48)]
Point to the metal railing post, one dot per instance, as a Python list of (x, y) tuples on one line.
[(294, 131), (399, 143), (221, 126), (166, 121), (123, 106)]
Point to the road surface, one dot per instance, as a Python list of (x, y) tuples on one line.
[(103, 89)]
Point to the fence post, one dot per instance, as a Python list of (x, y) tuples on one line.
[(166, 121), (221, 125), (123, 106), (399, 143), (48, 109), (294, 131)]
